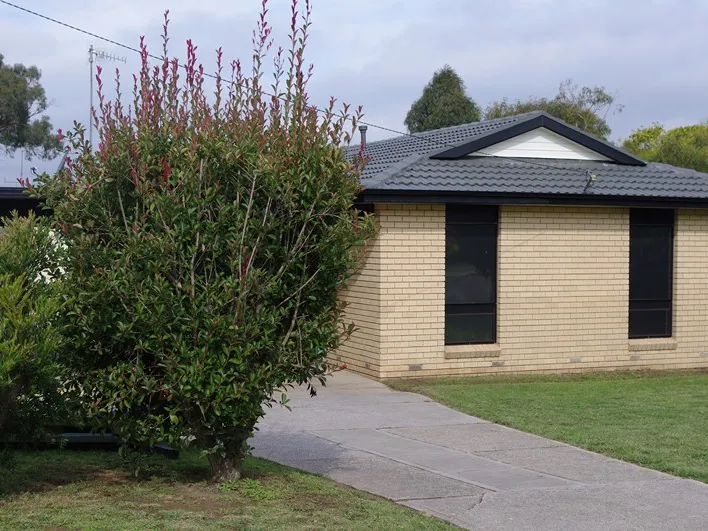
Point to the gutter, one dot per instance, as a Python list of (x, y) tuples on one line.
[(372, 196)]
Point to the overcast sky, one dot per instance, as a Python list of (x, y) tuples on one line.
[(380, 53)]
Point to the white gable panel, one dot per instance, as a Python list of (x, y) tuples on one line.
[(541, 143)]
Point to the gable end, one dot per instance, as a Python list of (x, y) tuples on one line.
[(542, 120), (541, 143)]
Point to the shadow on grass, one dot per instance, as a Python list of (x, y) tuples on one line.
[(42, 470), (171, 494)]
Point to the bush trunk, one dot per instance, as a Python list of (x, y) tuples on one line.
[(226, 467)]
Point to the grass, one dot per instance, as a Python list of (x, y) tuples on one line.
[(654, 419), (91, 490)]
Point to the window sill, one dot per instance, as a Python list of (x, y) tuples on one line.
[(652, 343), (456, 352)]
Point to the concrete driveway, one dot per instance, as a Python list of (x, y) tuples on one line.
[(465, 470)]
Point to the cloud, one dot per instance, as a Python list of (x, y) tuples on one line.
[(380, 53)]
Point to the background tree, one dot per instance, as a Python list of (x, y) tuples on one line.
[(644, 142), (443, 104), (22, 102), (209, 238), (584, 107), (685, 147)]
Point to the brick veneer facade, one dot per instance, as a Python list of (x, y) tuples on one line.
[(562, 303)]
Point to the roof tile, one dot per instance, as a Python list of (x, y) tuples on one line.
[(404, 164)]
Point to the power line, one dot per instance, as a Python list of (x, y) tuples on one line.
[(152, 56), (376, 126), (55, 21)]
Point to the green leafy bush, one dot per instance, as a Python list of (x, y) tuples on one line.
[(209, 238), (30, 329)]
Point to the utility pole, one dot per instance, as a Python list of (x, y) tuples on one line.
[(94, 55)]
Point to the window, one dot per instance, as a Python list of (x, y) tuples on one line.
[(471, 274), (651, 256)]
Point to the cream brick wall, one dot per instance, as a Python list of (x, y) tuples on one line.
[(412, 257), (361, 352), (690, 293), (563, 299), (562, 296)]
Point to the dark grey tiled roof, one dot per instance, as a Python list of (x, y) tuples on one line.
[(385, 153), (518, 176), (403, 164)]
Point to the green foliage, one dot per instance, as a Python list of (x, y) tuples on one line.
[(30, 335), (22, 102), (29, 247), (685, 147), (250, 488), (208, 242), (584, 107), (229, 486), (443, 104), (644, 142)]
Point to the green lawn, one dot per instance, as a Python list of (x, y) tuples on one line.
[(91, 490), (658, 420)]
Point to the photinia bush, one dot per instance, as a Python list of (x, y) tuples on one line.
[(209, 236)]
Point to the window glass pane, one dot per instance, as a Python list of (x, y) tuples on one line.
[(651, 240), (470, 263), (649, 323), (470, 274), (650, 258), (470, 328)]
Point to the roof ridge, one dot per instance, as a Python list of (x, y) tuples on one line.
[(480, 123)]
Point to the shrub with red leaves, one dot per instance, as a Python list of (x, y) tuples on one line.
[(209, 237)]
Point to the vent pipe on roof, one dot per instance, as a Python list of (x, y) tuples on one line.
[(362, 132)]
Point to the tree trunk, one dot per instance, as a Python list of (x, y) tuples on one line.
[(226, 463), (225, 468)]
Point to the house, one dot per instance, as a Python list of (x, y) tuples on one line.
[(524, 244), (15, 198)]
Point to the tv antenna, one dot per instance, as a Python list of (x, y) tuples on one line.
[(97, 54)]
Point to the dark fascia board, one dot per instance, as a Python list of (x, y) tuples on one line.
[(550, 123), (15, 198), (13, 192), (475, 198)]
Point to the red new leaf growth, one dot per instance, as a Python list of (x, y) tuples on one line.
[(221, 212)]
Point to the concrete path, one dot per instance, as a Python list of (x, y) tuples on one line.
[(470, 472)]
